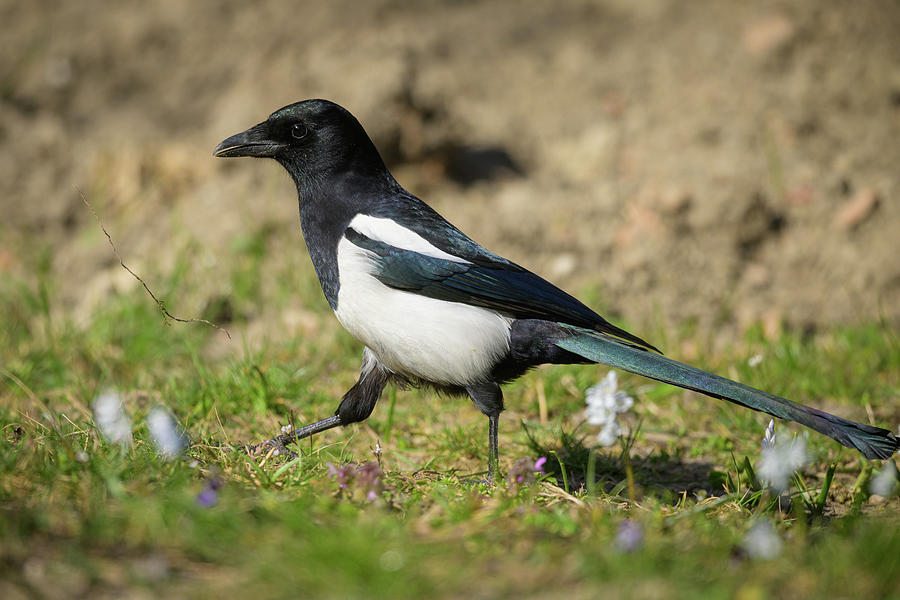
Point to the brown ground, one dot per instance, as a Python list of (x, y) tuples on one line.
[(714, 162)]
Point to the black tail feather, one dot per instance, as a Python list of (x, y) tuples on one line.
[(872, 442)]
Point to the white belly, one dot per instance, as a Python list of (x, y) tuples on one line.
[(434, 340)]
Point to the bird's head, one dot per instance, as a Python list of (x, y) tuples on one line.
[(309, 138)]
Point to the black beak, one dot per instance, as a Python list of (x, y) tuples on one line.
[(253, 142)]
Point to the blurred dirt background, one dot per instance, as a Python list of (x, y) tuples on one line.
[(716, 164)]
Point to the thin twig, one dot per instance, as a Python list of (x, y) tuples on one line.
[(159, 303)]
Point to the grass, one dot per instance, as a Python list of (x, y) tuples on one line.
[(80, 517)]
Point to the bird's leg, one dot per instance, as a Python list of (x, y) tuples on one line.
[(356, 405), (493, 448), (280, 442), (489, 400)]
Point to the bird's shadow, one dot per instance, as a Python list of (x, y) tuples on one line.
[(467, 165), (570, 461)]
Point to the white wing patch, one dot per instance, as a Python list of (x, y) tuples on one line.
[(443, 342), (390, 232)]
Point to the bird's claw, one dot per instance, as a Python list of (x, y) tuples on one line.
[(276, 446)]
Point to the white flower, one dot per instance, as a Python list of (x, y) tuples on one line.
[(610, 433), (779, 462), (755, 360), (769, 437), (885, 481), (111, 420), (762, 541), (604, 402), (168, 438)]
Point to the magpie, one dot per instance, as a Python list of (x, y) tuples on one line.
[(432, 307)]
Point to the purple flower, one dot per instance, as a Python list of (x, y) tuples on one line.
[(629, 536), (342, 475), (209, 496), (359, 481), (524, 471)]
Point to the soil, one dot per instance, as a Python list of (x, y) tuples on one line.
[(710, 163)]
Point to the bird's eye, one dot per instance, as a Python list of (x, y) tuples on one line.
[(299, 131)]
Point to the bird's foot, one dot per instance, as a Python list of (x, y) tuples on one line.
[(278, 444), (271, 447), (487, 481)]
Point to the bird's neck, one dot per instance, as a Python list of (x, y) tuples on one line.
[(327, 205)]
